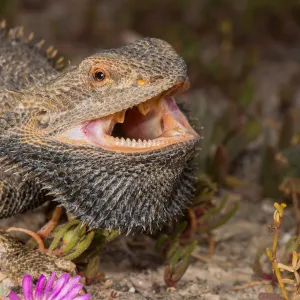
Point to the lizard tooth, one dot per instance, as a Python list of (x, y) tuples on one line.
[(118, 142), (140, 143), (120, 116), (123, 142), (128, 142), (133, 143), (144, 108)]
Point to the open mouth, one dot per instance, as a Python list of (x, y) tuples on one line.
[(151, 125)]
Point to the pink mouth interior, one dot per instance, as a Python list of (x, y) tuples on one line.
[(161, 124)]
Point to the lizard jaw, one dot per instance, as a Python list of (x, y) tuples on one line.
[(154, 124)]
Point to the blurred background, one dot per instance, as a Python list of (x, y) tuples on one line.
[(221, 40)]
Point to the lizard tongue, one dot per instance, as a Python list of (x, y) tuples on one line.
[(98, 129)]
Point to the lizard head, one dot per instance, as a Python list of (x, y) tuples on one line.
[(108, 139)]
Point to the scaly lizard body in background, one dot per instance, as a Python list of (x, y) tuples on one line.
[(104, 139)]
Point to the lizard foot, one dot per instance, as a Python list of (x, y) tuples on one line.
[(48, 228)]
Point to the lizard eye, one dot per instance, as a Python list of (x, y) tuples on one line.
[(99, 76)]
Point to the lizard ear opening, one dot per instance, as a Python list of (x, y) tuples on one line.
[(43, 119)]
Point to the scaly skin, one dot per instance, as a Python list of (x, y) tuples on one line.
[(133, 192), (13, 253)]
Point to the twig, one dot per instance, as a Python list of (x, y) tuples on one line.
[(277, 219), (47, 229), (249, 285), (211, 245), (33, 235), (193, 223), (200, 257)]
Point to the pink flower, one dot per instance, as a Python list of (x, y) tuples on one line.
[(64, 288)]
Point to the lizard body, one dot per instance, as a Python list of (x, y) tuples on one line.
[(105, 139), (17, 260)]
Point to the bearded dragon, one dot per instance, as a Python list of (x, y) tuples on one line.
[(104, 139)]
